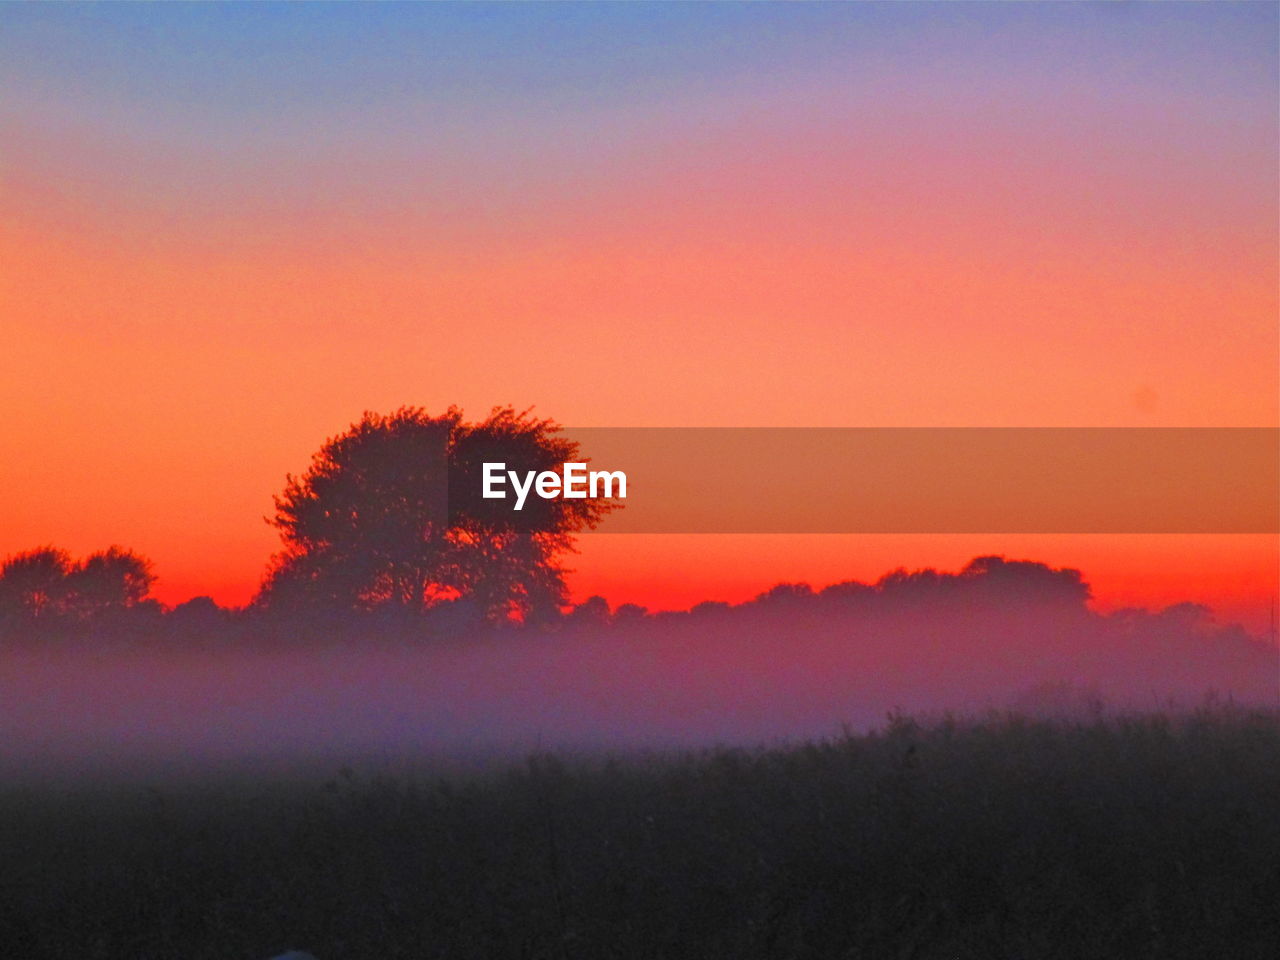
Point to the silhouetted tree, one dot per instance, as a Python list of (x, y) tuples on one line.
[(784, 594), (630, 614), (363, 526), (366, 526), (848, 591), (200, 618), (198, 610), (35, 585), (109, 581), (41, 587), (992, 582), (592, 612), (1010, 581)]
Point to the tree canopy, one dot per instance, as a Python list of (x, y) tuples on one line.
[(45, 585), (389, 515)]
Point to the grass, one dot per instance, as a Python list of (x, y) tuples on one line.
[(1140, 837)]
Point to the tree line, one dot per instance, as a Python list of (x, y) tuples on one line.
[(386, 522), (385, 532)]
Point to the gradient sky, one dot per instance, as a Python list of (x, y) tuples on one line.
[(225, 231)]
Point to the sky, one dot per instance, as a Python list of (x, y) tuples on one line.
[(226, 231)]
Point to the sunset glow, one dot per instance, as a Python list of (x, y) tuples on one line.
[(228, 231)]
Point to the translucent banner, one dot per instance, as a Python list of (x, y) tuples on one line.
[(920, 480)]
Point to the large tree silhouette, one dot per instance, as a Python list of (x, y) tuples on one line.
[(389, 514)]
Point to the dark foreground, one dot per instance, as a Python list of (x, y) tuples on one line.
[(1135, 838)]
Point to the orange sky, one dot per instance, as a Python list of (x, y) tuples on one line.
[(195, 292)]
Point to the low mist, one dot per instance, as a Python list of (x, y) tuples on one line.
[(792, 664)]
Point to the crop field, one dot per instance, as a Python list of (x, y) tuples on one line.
[(1144, 836)]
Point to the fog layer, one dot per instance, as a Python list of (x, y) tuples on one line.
[(791, 664)]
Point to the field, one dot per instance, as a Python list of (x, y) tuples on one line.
[(1137, 837)]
